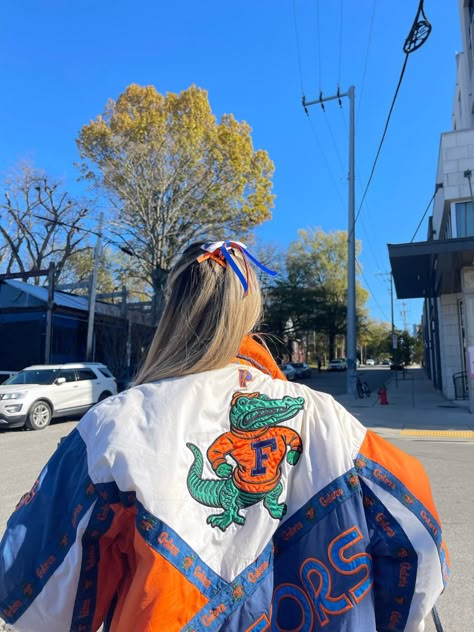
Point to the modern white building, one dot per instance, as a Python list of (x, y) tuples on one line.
[(441, 269)]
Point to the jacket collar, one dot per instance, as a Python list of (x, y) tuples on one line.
[(252, 353)]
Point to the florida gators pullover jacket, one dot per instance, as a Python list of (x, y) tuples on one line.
[(230, 501)]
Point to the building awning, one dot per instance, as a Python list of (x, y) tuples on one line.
[(430, 268)]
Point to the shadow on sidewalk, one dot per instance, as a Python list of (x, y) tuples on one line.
[(413, 403)]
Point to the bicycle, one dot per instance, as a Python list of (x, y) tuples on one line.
[(362, 388)]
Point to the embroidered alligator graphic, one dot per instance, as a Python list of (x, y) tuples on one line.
[(258, 446)]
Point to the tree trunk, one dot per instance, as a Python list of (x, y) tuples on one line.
[(332, 345), (159, 281)]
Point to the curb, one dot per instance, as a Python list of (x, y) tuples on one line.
[(453, 434)]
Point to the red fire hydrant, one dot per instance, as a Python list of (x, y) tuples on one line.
[(383, 395)]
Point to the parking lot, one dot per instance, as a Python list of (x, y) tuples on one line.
[(24, 453)]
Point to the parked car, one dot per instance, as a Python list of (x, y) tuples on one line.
[(385, 362), (288, 371), (302, 369), (40, 393), (338, 364), (370, 362)]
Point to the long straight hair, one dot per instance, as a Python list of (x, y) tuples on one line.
[(205, 318)]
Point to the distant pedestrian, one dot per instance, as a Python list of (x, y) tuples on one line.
[(319, 364), (215, 495)]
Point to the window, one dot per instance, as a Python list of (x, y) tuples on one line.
[(105, 371), (86, 374), (70, 375), (32, 376), (464, 219)]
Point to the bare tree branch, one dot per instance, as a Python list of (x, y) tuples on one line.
[(42, 222)]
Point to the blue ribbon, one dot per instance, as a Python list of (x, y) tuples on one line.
[(223, 247)]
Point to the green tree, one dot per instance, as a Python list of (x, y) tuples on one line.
[(174, 174), (418, 351), (378, 339), (317, 262), (406, 347), (79, 269)]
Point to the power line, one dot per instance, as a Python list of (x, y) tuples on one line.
[(419, 33), (364, 72), (366, 239), (56, 221), (333, 138), (313, 130), (325, 160), (383, 136), (341, 5), (318, 24), (340, 198), (298, 49), (351, 288), (438, 186), (126, 249), (371, 291)]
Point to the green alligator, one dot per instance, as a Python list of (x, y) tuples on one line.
[(257, 445)]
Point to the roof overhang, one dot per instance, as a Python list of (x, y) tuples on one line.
[(430, 268)]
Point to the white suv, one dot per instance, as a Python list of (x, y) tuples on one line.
[(35, 395)]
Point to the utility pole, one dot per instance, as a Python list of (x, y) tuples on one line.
[(49, 314), (394, 336), (351, 286), (93, 291), (404, 316), (394, 344)]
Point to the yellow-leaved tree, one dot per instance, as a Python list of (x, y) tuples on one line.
[(174, 174)]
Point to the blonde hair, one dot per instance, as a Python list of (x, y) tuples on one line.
[(205, 318)]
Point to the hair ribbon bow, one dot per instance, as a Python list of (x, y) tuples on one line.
[(219, 252)]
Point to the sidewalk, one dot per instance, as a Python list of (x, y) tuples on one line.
[(414, 408)]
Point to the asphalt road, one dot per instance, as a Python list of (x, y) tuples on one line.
[(335, 382), (450, 465)]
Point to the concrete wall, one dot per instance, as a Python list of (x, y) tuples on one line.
[(463, 110), (456, 152), (450, 343), (467, 282), (456, 155)]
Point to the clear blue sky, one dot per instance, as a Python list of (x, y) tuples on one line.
[(62, 60)]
